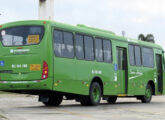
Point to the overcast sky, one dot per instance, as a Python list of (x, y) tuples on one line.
[(132, 16)]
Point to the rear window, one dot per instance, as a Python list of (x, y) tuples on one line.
[(20, 36)]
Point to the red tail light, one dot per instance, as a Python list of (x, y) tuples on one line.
[(45, 70)]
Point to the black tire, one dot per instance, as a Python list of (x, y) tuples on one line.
[(112, 100), (54, 99), (148, 95), (92, 99)]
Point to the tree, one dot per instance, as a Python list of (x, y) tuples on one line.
[(148, 38), (141, 37)]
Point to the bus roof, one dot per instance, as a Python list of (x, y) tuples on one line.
[(84, 30)]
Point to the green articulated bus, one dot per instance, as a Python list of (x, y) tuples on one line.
[(57, 61)]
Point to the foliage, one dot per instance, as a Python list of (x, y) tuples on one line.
[(147, 38)]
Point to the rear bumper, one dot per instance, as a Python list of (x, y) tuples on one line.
[(27, 85)]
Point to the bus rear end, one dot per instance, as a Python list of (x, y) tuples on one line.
[(24, 59)]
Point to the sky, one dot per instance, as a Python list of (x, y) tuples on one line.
[(132, 16)]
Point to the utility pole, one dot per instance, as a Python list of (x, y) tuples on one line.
[(46, 10)]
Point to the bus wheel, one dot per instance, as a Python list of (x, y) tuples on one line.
[(94, 95), (148, 95), (54, 99), (112, 100)]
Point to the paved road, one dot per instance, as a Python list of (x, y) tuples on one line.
[(24, 107)]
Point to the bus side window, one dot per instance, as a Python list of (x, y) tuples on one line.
[(99, 50), (147, 57), (79, 42), (137, 56), (107, 51), (163, 64), (58, 42), (63, 44), (68, 51), (131, 55), (89, 48)]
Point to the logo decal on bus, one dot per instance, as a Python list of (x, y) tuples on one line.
[(19, 66), (96, 72), (2, 63), (19, 51), (115, 67), (155, 76), (136, 74), (115, 76)]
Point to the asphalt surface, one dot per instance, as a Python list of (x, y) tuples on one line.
[(25, 107)]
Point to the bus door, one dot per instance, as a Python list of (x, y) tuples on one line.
[(122, 69), (159, 72)]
